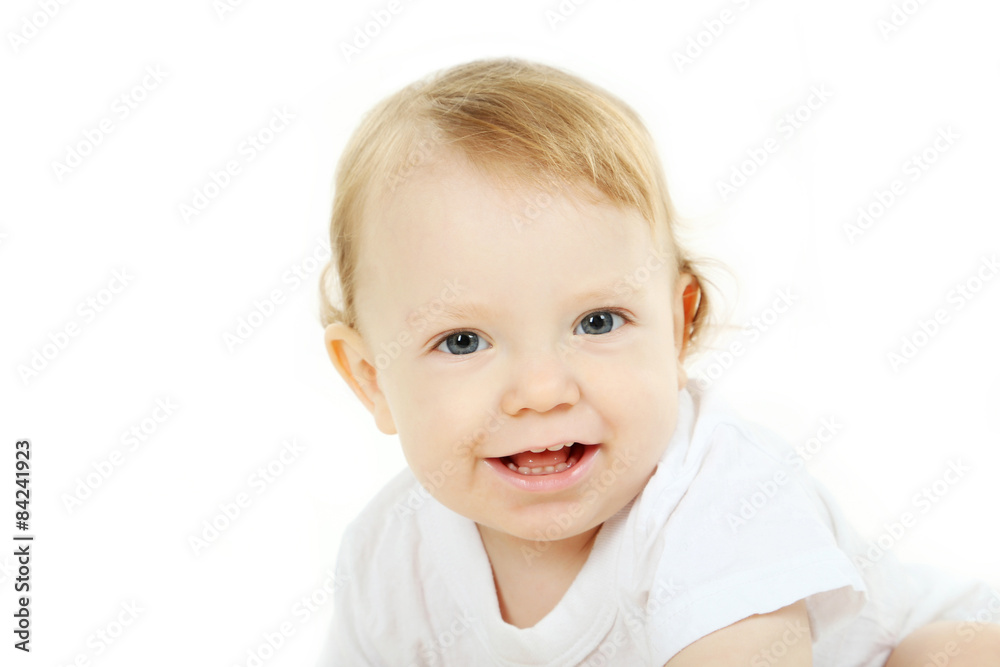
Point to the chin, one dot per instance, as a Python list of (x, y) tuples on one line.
[(548, 524)]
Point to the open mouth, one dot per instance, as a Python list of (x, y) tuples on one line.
[(547, 471), (546, 461)]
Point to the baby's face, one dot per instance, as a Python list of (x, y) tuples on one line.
[(490, 337)]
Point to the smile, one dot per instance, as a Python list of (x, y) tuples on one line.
[(550, 469)]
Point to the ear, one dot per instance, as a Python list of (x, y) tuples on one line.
[(350, 357), (687, 297)]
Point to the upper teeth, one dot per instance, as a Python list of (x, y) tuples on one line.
[(551, 449)]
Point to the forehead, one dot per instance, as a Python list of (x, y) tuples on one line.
[(449, 221)]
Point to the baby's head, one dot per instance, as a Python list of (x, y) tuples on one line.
[(510, 281)]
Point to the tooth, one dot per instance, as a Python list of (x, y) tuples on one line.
[(560, 467), (550, 469), (556, 448), (512, 467), (571, 462), (536, 471), (536, 451), (524, 470)]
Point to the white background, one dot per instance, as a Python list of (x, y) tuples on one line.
[(162, 336)]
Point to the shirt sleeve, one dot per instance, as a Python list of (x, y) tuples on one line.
[(748, 537)]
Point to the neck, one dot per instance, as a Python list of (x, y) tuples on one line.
[(531, 577)]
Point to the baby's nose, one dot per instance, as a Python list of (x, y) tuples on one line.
[(540, 382)]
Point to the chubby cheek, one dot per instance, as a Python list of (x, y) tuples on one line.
[(437, 427), (639, 376), (644, 393)]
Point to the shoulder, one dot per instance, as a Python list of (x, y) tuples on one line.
[(732, 528), (712, 442), (739, 480), (386, 523), (379, 589), (722, 425), (383, 551)]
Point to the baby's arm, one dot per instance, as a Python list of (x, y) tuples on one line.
[(952, 643), (782, 638)]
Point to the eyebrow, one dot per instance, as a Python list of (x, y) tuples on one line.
[(479, 310)]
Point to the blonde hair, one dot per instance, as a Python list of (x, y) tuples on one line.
[(529, 122)]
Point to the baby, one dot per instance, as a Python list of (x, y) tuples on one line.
[(515, 306)]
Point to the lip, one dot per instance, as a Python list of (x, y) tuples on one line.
[(556, 481)]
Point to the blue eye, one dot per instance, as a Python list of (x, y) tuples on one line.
[(461, 342), (600, 322)]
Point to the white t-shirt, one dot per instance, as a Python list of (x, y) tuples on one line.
[(729, 525)]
